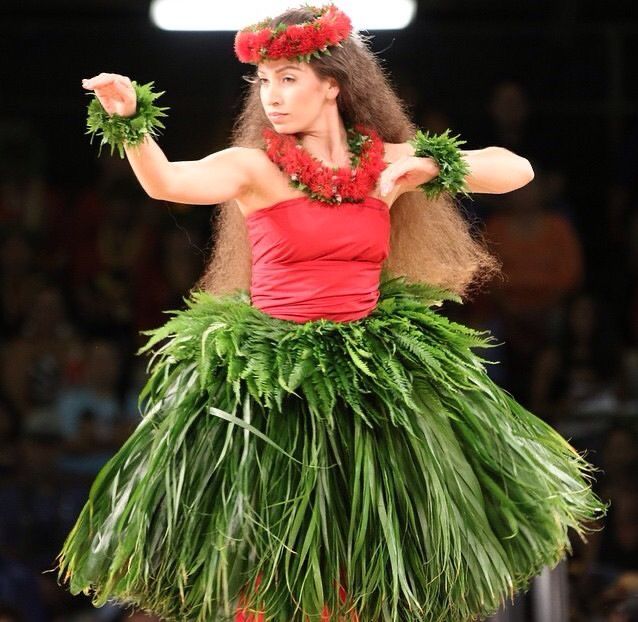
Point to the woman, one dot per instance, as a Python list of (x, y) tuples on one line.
[(317, 442)]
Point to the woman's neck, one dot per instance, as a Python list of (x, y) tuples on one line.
[(327, 140)]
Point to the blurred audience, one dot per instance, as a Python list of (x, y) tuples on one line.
[(542, 262), (622, 600), (20, 278), (20, 593), (10, 432), (115, 254), (619, 459), (89, 412), (27, 202), (512, 121), (179, 265), (42, 354), (577, 370), (10, 614), (82, 273)]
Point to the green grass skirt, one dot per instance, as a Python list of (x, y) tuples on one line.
[(289, 457)]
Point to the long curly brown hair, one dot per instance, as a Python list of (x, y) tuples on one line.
[(430, 240)]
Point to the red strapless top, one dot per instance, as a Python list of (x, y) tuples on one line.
[(311, 260)]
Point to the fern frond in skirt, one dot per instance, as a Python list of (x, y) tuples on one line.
[(286, 458)]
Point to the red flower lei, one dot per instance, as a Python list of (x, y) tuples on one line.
[(327, 184), (301, 41)]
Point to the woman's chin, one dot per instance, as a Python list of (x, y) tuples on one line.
[(283, 126), (285, 130)]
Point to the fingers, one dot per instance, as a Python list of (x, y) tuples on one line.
[(101, 80), (390, 174), (114, 91), (385, 179), (105, 79), (386, 186)]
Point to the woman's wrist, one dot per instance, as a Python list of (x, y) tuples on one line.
[(429, 165), (126, 131), (441, 156)]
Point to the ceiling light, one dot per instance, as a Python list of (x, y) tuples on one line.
[(209, 15)]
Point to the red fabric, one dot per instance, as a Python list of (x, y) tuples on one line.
[(311, 260)]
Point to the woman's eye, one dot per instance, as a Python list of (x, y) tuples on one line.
[(264, 80)]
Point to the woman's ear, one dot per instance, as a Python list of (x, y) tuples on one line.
[(333, 88)]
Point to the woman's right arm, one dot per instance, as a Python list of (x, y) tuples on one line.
[(219, 177)]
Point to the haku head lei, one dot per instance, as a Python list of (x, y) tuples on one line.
[(259, 42)]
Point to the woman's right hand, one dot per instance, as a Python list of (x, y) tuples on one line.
[(115, 92)]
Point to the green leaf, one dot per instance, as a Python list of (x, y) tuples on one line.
[(444, 150), (377, 452), (117, 131)]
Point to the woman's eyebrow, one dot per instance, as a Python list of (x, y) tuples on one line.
[(283, 68)]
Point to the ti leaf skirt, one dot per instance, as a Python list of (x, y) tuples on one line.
[(327, 470)]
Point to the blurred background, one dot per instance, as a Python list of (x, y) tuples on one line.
[(87, 260)]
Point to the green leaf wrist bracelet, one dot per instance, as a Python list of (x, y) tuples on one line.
[(118, 131), (444, 150)]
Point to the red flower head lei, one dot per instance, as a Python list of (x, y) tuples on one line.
[(327, 184), (258, 42)]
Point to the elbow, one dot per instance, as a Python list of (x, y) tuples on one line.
[(524, 173), (516, 172), (528, 171), (159, 186), (158, 193), (157, 196)]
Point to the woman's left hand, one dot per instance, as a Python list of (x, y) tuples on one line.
[(409, 172)]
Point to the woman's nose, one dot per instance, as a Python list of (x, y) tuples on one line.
[(272, 96)]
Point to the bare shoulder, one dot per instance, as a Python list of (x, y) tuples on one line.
[(268, 184), (255, 153), (252, 158), (257, 162)]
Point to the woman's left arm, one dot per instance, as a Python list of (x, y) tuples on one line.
[(496, 170), (493, 170)]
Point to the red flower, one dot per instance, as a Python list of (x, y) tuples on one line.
[(277, 47), (248, 45), (293, 39), (330, 184), (255, 43)]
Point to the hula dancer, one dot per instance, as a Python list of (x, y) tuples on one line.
[(317, 442)]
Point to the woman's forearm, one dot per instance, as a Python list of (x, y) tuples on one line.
[(496, 170), (150, 165)]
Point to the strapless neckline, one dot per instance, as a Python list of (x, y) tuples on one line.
[(380, 204)]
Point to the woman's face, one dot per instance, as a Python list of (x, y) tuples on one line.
[(293, 89)]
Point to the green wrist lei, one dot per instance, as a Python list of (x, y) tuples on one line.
[(444, 150), (118, 131)]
